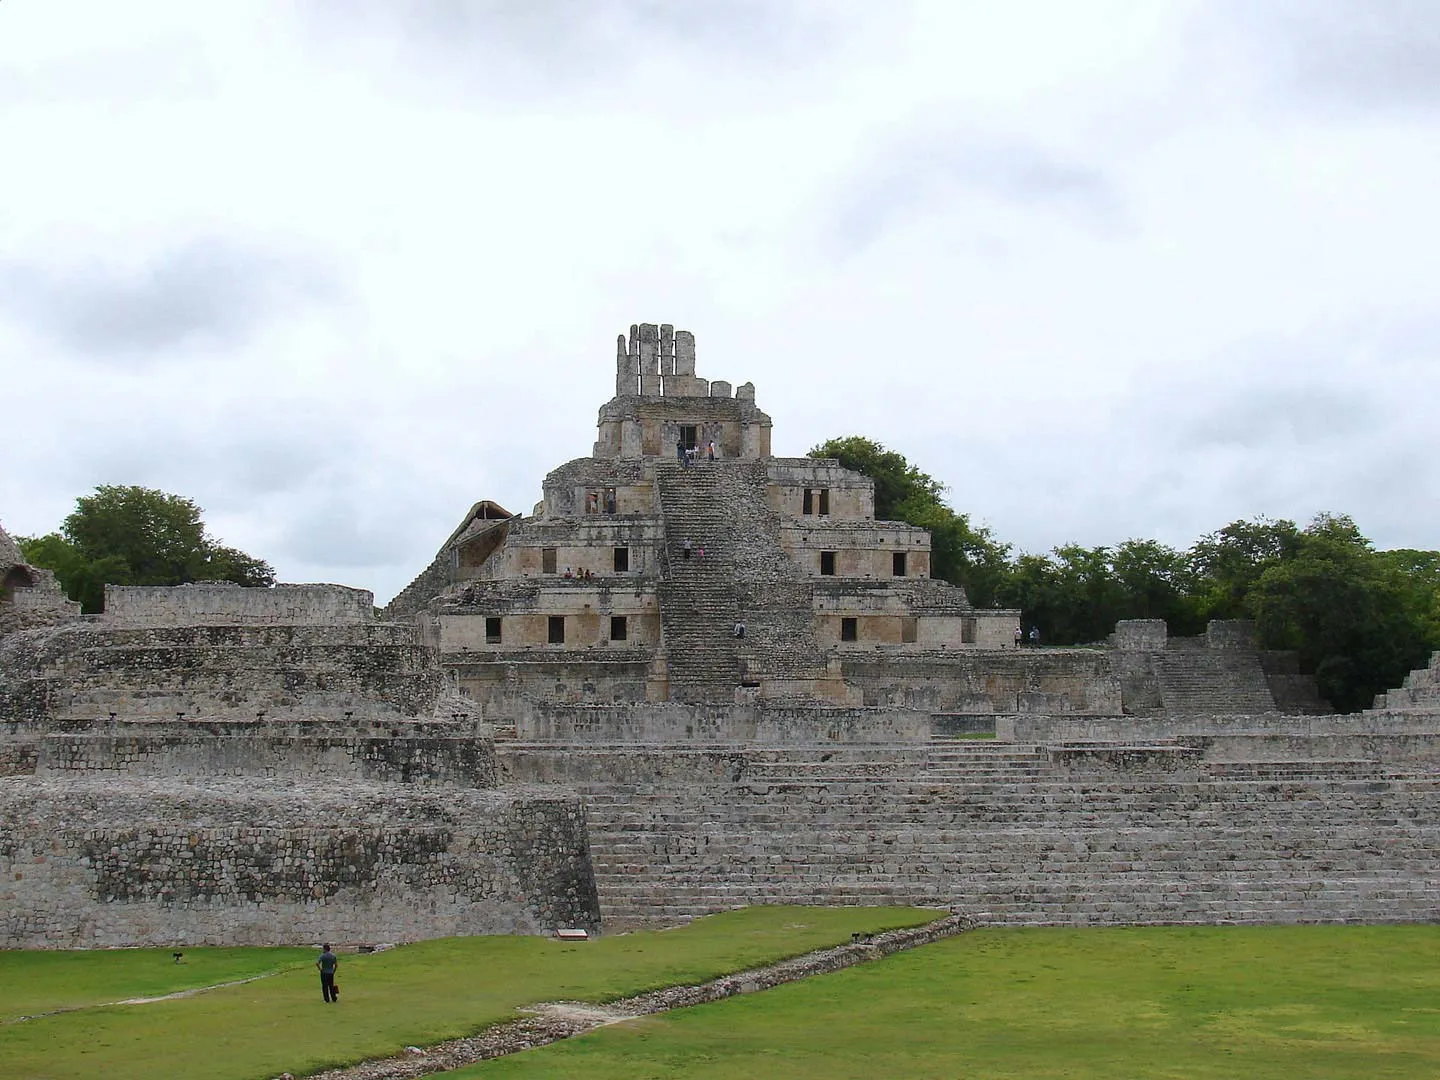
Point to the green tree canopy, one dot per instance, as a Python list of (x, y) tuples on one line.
[(137, 536), (1358, 618)]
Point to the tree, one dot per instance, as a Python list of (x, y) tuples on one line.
[(137, 536), (1360, 619), (1228, 563), (960, 553)]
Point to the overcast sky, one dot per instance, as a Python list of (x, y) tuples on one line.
[(338, 269)]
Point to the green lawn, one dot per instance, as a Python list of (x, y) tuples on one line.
[(1272, 1003), (32, 983), (418, 994)]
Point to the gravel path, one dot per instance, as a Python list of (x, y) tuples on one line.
[(556, 1020)]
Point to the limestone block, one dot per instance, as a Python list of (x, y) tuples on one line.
[(686, 386), (667, 349), (745, 392), (649, 349), (684, 352), (719, 388), (1141, 635)]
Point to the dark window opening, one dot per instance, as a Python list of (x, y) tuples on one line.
[(622, 560), (492, 630), (827, 563), (557, 629), (808, 504), (824, 501), (967, 631), (897, 563), (16, 578), (909, 630), (849, 629), (547, 560), (619, 631), (687, 436)]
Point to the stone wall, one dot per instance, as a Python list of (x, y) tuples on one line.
[(674, 723), (507, 685), (92, 669), (212, 603), (994, 680), (185, 752), (88, 863)]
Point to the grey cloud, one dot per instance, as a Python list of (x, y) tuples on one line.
[(1366, 53), (172, 70), (1260, 416), (210, 290), (507, 46), (924, 170), (343, 529)]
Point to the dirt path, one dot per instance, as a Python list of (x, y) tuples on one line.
[(552, 1021)]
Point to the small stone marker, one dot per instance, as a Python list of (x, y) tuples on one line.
[(572, 933)]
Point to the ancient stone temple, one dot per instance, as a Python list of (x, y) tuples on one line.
[(683, 562), (696, 676)]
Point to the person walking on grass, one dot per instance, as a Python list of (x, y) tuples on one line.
[(327, 963)]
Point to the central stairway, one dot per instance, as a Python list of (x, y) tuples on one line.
[(720, 508)]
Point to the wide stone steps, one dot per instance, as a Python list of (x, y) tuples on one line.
[(1066, 902), (720, 507), (1214, 681)]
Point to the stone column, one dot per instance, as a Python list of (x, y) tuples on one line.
[(684, 352), (667, 350), (649, 360), (627, 373)]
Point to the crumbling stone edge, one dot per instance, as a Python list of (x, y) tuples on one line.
[(554, 1021)]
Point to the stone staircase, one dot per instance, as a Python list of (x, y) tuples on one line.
[(995, 830), (720, 508), (1420, 693), (1195, 679)]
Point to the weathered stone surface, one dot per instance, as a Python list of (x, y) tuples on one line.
[(90, 861)]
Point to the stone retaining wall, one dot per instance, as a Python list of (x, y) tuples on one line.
[(741, 724), (216, 602), (94, 862)]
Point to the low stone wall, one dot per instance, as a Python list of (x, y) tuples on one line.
[(761, 725), (339, 759), (1069, 728), (1079, 681), (92, 669), (211, 603), (88, 863)]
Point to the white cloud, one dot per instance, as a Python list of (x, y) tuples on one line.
[(1108, 270)]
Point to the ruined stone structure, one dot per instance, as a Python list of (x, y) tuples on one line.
[(212, 764), (29, 595), (559, 722), (632, 578)]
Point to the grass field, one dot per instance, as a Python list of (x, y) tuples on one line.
[(1271, 1003), (418, 994)]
